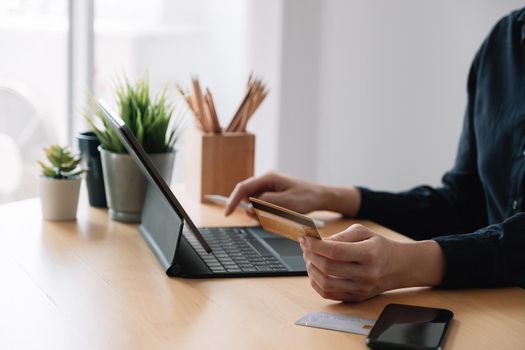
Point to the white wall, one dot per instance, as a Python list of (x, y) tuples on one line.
[(245, 37), (300, 84), (263, 43), (391, 87)]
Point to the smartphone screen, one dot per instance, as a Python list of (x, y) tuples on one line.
[(410, 327)]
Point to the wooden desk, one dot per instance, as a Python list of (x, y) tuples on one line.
[(94, 284)]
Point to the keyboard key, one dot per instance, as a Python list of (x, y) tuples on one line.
[(215, 261), (226, 261), (217, 269), (249, 269), (264, 268), (233, 269), (275, 266), (212, 265), (269, 258), (282, 268), (243, 266)]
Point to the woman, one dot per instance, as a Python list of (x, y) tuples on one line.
[(470, 232)]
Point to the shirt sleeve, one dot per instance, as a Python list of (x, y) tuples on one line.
[(458, 206), (489, 257)]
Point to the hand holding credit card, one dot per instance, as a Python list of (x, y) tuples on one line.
[(284, 222), (222, 200)]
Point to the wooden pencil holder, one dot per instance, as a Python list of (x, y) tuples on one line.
[(215, 163)]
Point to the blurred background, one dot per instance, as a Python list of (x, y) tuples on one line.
[(367, 92)]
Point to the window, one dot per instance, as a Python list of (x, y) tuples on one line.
[(33, 40)]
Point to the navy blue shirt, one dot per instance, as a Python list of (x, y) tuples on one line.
[(476, 216)]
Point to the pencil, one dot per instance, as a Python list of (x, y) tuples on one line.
[(203, 107), (236, 118), (213, 112), (191, 105), (206, 123)]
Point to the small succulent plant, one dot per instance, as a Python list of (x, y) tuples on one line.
[(63, 163)]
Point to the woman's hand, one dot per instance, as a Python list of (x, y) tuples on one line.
[(285, 191), (358, 264), (295, 194)]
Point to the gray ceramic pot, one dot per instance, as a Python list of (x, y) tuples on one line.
[(125, 184)]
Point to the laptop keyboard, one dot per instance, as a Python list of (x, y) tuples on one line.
[(235, 250)]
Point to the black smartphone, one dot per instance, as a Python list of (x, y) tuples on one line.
[(410, 327)]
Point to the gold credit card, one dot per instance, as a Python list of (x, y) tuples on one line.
[(284, 222)]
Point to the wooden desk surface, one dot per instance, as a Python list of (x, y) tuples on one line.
[(94, 284)]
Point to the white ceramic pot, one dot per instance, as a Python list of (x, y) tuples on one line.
[(59, 198)]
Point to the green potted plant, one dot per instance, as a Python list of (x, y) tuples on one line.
[(153, 121), (60, 183)]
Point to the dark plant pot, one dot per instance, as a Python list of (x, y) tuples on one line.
[(88, 144)]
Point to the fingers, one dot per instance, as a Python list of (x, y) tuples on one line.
[(251, 213), (278, 198), (337, 289), (341, 296), (334, 250), (349, 266), (346, 270), (354, 233), (345, 246), (247, 188)]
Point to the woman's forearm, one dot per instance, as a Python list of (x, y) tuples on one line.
[(344, 200), (418, 264)]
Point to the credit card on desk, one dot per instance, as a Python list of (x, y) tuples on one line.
[(336, 322), (284, 222)]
